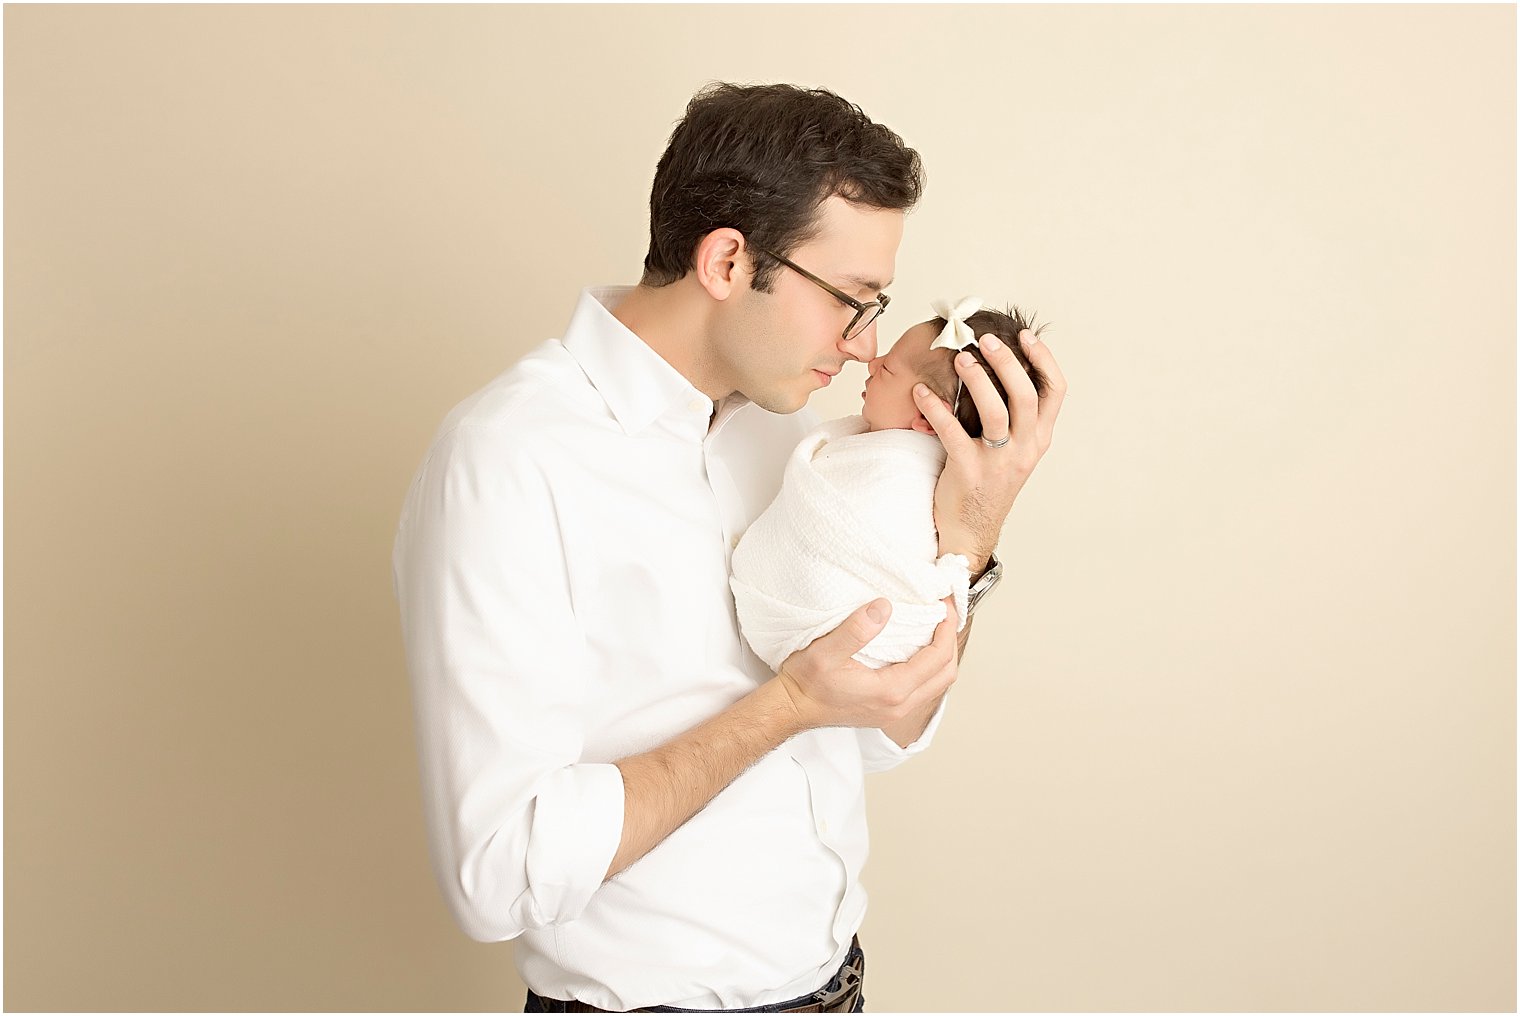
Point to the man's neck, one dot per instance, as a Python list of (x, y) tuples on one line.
[(672, 320)]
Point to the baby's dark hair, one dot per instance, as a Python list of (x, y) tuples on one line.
[(1006, 325)]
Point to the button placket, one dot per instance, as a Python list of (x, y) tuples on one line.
[(800, 750), (726, 492)]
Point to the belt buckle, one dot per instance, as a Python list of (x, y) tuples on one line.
[(842, 992)]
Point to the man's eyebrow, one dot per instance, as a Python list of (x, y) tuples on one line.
[(865, 283)]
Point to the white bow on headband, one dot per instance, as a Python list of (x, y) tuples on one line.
[(956, 333)]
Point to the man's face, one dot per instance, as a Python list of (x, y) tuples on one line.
[(888, 398), (782, 346)]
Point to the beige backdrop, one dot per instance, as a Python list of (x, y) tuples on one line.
[(1238, 733)]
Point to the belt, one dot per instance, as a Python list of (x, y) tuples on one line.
[(841, 994)]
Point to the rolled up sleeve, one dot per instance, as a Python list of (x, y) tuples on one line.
[(520, 831), (880, 753)]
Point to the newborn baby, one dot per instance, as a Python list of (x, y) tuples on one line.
[(855, 517)]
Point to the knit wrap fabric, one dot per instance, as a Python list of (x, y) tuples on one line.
[(854, 521)]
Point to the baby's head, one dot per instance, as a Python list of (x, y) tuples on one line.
[(888, 396)]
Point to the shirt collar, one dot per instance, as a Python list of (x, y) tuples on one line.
[(637, 383)]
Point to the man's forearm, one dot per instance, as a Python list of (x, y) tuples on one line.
[(666, 786)]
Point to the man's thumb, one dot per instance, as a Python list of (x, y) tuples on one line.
[(865, 624)]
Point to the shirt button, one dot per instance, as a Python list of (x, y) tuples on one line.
[(734, 543), (823, 825), (697, 406)]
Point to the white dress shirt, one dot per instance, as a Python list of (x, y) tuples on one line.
[(562, 570)]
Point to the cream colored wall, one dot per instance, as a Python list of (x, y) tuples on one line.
[(1238, 732)]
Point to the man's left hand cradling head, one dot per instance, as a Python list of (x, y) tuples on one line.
[(982, 477)]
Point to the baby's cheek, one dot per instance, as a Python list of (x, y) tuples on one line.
[(901, 409)]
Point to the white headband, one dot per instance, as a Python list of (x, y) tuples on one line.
[(956, 333)]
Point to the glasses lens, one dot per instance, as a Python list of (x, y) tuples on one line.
[(871, 314)]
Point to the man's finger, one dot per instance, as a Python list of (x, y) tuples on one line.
[(952, 616), (942, 647), (1023, 403), (946, 631), (1055, 392), (912, 675), (989, 406), (940, 655), (859, 628), (946, 427)]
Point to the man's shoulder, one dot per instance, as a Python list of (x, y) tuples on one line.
[(522, 419), (541, 393)]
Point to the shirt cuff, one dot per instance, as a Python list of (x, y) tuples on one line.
[(880, 753), (577, 828)]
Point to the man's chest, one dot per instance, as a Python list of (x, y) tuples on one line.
[(648, 523)]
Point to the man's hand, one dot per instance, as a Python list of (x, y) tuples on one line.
[(977, 488), (829, 689), (818, 686)]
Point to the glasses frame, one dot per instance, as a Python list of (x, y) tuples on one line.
[(879, 304)]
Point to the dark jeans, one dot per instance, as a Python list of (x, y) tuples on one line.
[(845, 992)]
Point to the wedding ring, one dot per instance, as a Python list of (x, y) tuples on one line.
[(996, 444)]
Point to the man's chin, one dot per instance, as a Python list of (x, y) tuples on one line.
[(787, 409), (781, 403)]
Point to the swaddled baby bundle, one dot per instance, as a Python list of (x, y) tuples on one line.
[(854, 521)]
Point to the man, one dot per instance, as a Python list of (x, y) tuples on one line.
[(609, 775)]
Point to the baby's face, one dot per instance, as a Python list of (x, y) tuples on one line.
[(888, 396)]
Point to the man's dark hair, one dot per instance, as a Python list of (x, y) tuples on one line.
[(1006, 325), (761, 159)]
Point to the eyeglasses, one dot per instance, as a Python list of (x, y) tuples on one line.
[(865, 313)]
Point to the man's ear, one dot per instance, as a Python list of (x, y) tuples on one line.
[(721, 264)]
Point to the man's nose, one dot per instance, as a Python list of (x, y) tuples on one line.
[(863, 346)]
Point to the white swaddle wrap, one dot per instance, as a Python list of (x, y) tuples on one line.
[(854, 521)]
